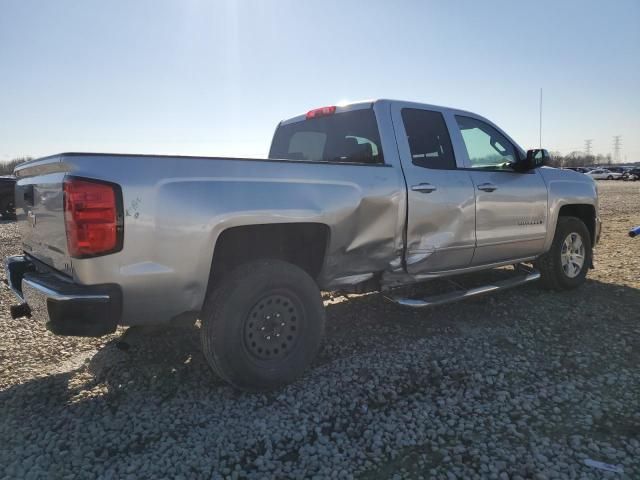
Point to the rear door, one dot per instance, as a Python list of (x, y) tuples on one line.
[(511, 207), (441, 204)]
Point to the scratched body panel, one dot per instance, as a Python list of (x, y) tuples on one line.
[(440, 223)]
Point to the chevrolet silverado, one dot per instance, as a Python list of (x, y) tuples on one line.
[(372, 196)]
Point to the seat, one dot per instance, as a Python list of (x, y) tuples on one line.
[(425, 145), (427, 151), (349, 150)]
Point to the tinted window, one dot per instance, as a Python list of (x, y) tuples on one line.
[(487, 148), (428, 139), (310, 145), (342, 137)]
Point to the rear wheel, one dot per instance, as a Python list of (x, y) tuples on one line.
[(610, 177), (566, 264), (262, 325)]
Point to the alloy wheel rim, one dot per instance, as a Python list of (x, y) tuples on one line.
[(572, 255)]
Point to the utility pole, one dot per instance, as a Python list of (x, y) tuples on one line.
[(617, 143)]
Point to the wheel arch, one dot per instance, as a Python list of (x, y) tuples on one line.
[(303, 244), (585, 212)]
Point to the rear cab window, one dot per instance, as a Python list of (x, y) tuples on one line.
[(346, 137)]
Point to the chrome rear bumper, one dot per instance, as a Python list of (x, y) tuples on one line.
[(66, 307)]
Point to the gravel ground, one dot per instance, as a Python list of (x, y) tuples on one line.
[(522, 384)]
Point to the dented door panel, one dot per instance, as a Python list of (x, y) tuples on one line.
[(441, 219)]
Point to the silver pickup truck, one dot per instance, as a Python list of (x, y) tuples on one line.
[(371, 196)]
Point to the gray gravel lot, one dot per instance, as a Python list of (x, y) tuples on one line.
[(522, 384)]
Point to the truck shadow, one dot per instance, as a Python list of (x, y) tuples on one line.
[(160, 365)]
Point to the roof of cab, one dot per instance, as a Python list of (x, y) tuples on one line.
[(347, 107)]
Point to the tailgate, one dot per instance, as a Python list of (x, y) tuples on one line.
[(40, 211)]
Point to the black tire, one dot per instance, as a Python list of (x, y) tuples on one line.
[(553, 274), (609, 177), (242, 339)]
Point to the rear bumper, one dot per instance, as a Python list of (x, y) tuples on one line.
[(66, 307)]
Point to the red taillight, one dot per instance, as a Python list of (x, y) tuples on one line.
[(321, 112), (92, 216)]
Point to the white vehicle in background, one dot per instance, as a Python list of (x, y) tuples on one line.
[(633, 174), (603, 174)]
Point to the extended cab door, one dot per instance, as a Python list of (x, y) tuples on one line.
[(440, 231), (511, 207)]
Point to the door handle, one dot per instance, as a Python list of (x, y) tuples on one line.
[(424, 188), (487, 187)]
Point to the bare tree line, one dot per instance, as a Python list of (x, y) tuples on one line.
[(579, 159), (6, 168)]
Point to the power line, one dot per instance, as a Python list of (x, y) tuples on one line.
[(617, 143)]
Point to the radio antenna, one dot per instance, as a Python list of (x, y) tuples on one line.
[(540, 117)]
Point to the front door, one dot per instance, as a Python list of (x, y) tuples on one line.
[(511, 207), (441, 204)]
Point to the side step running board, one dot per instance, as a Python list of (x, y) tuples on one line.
[(529, 275)]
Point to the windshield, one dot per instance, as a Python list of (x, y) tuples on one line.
[(350, 137)]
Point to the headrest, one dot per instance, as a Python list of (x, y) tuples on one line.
[(349, 150)]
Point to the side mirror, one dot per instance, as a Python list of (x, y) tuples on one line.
[(535, 158)]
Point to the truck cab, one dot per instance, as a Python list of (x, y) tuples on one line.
[(470, 199)]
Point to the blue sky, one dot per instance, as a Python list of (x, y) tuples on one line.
[(208, 77)]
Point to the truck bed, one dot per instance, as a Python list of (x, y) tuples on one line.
[(176, 207)]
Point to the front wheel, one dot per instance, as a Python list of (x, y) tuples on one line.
[(610, 177), (566, 264), (262, 325)]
